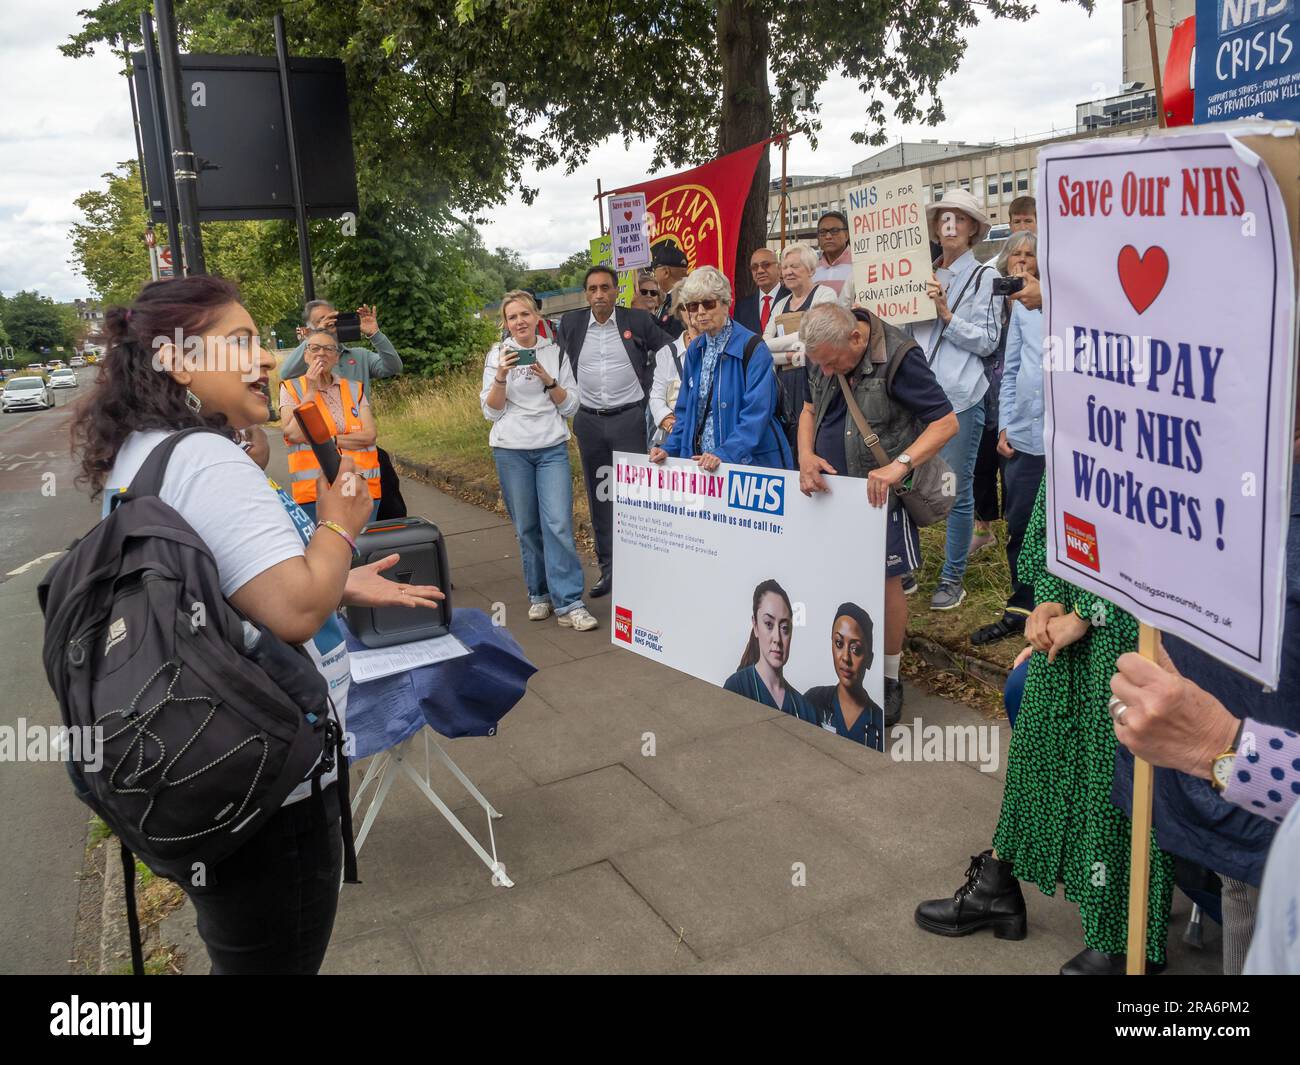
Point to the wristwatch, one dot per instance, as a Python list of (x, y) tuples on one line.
[(1221, 765), (905, 459)]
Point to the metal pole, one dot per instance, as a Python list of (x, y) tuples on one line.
[(600, 207), (1155, 64), (160, 134), (295, 168), (785, 207), (184, 168)]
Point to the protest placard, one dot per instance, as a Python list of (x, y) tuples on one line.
[(629, 241), (1247, 60), (1169, 297), (716, 579), (602, 254), (891, 249)]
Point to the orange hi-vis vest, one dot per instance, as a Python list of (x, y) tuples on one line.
[(303, 466)]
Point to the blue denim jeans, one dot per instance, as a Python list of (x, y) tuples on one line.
[(538, 489), (960, 453)]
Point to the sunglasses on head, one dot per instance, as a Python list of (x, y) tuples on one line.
[(700, 305)]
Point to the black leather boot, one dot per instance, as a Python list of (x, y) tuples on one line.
[(1089, 962), (990, 898)]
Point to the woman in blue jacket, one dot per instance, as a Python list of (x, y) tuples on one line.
[(727, 404)]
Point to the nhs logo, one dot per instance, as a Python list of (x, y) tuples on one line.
[(1235, 15), (764, 492)]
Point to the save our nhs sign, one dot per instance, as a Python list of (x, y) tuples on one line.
[(1247, 60)]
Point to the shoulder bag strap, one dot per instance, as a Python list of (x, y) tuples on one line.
[(864, 427), (934, 348)]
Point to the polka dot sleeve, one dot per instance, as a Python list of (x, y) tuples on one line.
[(1266, 772)]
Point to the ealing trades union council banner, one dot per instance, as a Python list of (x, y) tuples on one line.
[(737, 578)]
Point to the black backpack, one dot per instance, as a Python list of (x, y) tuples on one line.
[(207, 721)]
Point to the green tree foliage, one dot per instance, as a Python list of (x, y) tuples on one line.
[(34, 321)]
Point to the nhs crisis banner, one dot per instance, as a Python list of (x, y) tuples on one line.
[(891, 248), (1169, 370), (1247, 60), (738, 579)]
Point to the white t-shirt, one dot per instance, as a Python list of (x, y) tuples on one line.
[(248, 523), (530, 419)]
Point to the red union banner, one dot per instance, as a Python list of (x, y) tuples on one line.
[(699, 210)]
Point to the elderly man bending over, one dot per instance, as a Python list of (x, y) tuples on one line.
[(904, 405)]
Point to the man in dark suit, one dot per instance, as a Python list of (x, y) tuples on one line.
[(754, 311), (612, 352)]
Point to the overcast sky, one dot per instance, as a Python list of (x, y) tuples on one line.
[(65, 122)]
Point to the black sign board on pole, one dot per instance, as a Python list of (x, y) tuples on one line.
[(236, 125)]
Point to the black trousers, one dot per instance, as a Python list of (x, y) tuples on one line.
[(269, 908), (988, 464), (1021, 475), (598, 439)]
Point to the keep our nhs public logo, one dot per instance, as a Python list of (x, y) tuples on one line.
[(762, 492), (1238, 15)]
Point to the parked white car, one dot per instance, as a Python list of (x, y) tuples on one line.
[(64, 378), (76, 361), (26, 393)]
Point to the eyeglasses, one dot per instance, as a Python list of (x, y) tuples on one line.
[(700, 305), (766, 264), (829, 230), (649, 292), (318, 349)]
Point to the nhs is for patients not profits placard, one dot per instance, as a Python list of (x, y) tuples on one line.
[(1169, 369), (691, 548)]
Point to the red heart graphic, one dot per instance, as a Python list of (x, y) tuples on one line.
[(1142, 277), (627, 215)]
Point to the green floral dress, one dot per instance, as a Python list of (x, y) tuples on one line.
[(1058, 823)]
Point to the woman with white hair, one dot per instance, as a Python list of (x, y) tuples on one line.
[(965, 332), (1019, 428), (728, 396), (798, 264)]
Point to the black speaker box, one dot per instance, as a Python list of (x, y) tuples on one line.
[(423, 561)]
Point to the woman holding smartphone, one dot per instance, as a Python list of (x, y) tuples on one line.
[(528, 392), (269, 907)]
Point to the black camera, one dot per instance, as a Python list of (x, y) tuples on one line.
[(347, 327), (1005, 286)]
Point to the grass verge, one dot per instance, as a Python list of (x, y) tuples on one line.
[(438, 429)]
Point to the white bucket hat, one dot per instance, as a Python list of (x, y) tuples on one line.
[(958, 200)]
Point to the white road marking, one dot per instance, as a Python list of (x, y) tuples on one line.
[(34, 562)]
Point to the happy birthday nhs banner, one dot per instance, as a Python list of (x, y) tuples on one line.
[(1169, 366)]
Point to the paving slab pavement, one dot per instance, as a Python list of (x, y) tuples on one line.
[(746, 842)]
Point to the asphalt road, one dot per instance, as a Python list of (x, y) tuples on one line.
[(43, 830)]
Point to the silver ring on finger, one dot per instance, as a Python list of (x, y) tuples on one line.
[(1117, 706)]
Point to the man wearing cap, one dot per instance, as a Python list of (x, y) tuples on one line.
[(963, 334), (669, 264), (835, 267), (612, 352)]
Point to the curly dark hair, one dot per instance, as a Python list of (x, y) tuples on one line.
[(130, 395)]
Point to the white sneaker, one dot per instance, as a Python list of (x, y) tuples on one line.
[(539, 611), (579, 618)]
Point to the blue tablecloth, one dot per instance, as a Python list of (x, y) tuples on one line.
[(463, 696)]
